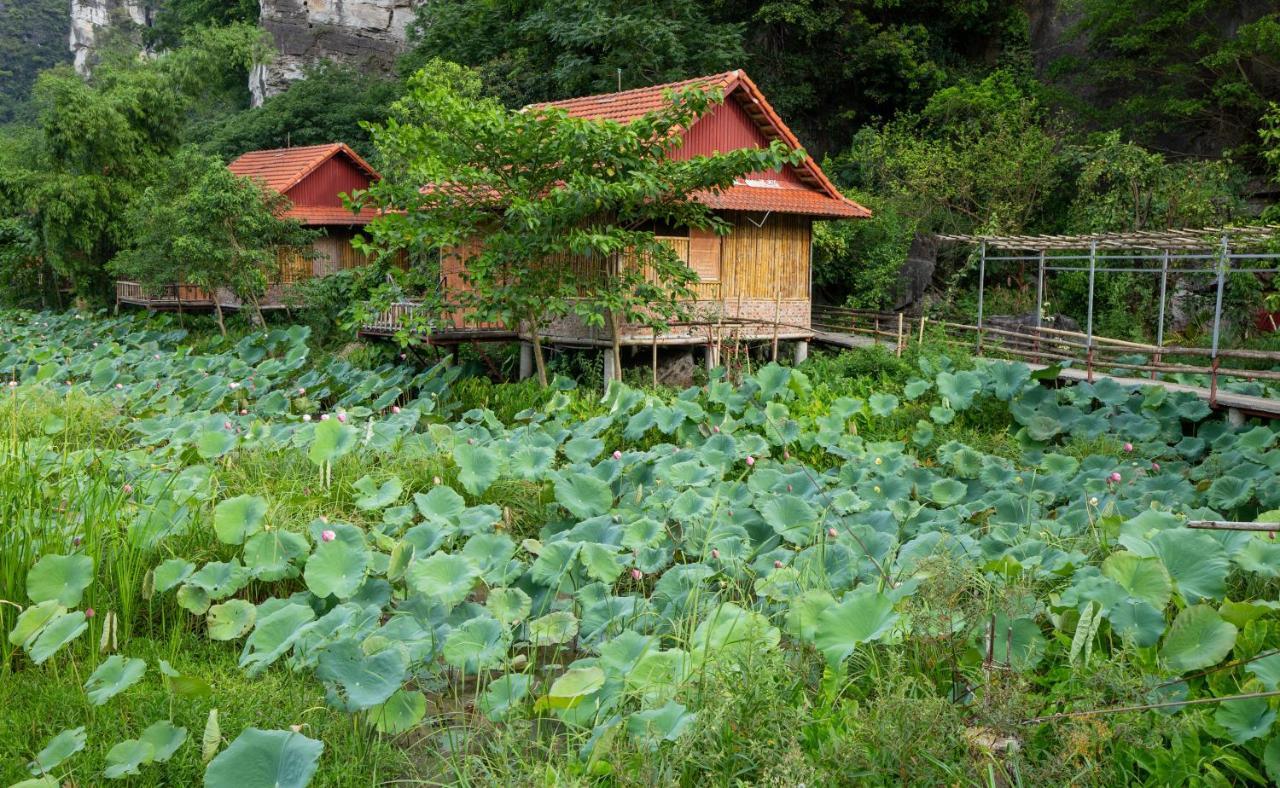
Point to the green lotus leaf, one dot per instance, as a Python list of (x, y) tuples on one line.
[(1245, 719), (338, 568), (1196, 561), (502, 695), (364, 680), (275, 634), (478, 644), (573, 686), (211, 444), (791, 517), (60, 578), (443, 577), (237, 518), (1271, 759), (399, 713), (478, 467), (922, 436), (509, 605), (947, 492), (1143, 578), (60, 631), (128, 757), (280, 759), (1228, 492), (1267, 671), (621, 654), (1197, 639), (864, 616), (583, 495), (193, 599), (1137, 621), (531, 463), (553, 628), (170, 573), (916, 388), (60, 748), (330, 440), (32, 620), (882, 405), (601, 561), (802, 617), (231, 620), (269, 555), (651, 727), (642, 532), (729, 631), (220, 579), (441, 505), (113, 676), (959, 388), (1018, 642), (165, 738), (377, 497), (583, 448), (941, 414), (1008, 378)]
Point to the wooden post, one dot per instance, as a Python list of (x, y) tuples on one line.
[(920, 341), (777, 308), (1093, 265), (654, 361), (982, 278), (901, 336)]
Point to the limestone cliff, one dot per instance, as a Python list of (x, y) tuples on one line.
[(363, 33), (91, 19)]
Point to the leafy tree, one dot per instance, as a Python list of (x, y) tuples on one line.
[(101, 140), (548, 210), (33, 37), (553, 49), (173, 19), (331, 103), (201, 225), (858, 263), (1194, 74)]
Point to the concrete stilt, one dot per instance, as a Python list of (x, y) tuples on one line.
[(712, 357), (1235, 417), (801, 352), (526, 360), (608, 368)]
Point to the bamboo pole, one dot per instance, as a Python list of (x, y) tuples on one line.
[(777, 307), (1229, 525), (653, 345), (920, 341), (901, 340)]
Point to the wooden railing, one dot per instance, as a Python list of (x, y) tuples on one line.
[(1045, 344), (177, 294), (449, 321)]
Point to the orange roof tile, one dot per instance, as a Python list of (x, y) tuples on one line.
[(824, 199), (281, 169), (324, 215)]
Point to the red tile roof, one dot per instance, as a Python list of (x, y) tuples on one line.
[(280, 169), (823, 199)]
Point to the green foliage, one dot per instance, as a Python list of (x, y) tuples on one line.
[(553, 49), (857, 264), (33, 37)]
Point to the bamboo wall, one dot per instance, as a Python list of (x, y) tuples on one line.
[(767, 261)]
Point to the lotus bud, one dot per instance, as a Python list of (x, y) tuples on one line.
[(777, 564), (226, 425), (788, 488), (244, 411), (715, 553), (1155, 466), (75, 541), (327, 536), (324, 416), (301, 391), (471, 441), (750, 461), (119, 385), (88, 612), (342, 418), (1128, 447), (831, 532), (715, 429), (1115, 476), (617, 455), (127, 489), (786, 455), (395, 408), (306, 417), (1093, 501), (233, 385), (636, 574)]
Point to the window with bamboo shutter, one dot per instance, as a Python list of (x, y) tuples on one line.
[(704, 254)]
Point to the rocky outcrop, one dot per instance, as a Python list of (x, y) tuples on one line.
[(91, 19), (367, 34)]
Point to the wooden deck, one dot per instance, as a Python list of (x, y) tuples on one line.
[(189, 298)]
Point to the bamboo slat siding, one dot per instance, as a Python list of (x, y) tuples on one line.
[(767, 260)]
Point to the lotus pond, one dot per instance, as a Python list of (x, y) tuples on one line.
[(250, 566)]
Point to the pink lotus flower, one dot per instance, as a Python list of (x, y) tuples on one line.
[(395, 408), (324, 416), (233, 385), (1155, 466), (227, 425), (327, 536), (88, 612), (786, 455), (244, 411), (127, 489), (301, 391), (777, 564), (342, 418), (715, 429), (13, 384), (831, 532), (636, 574), (119, 385), (715, 553), (1128, 447), (617, 455), (1115, 476), (750, 461)]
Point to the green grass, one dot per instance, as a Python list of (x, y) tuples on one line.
[(39, 702)]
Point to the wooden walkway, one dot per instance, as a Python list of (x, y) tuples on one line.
[(1239, 405)]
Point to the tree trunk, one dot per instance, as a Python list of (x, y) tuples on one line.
[(538, 361), (617, 345), (217, 308), (259, 320)]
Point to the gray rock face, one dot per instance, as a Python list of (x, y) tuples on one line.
[(367, 34), (90, 19)]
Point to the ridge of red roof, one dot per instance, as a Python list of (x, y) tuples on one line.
[(280, 169), (627, 105)]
